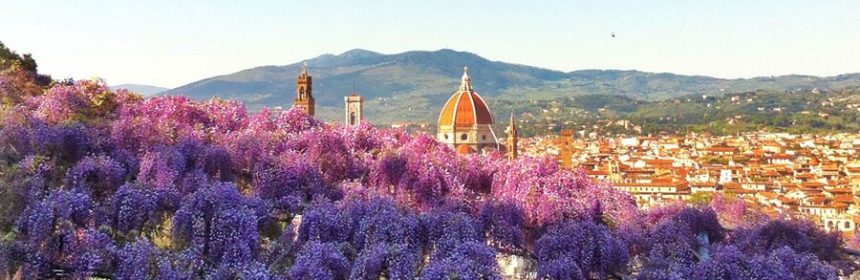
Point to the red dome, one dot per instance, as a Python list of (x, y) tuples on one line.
[(465, 108)]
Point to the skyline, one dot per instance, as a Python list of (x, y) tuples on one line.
[(170, 44)]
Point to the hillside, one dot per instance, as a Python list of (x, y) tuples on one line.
[(413, 85), (815, 111)]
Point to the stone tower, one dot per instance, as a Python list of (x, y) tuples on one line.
[(565, 148), (354, 112), (513, 136), (304, 97)]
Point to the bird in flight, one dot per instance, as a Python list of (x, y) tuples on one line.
[(613, 34)]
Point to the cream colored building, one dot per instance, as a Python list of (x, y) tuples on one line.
[(354, 112)]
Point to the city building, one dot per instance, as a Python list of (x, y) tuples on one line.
[(800, 176)]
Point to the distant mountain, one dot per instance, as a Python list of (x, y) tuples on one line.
[(145, 90), (413, 85)]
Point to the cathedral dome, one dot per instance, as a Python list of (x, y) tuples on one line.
[(465, 108)]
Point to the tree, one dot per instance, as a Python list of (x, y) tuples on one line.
[(9, 59), (574, 249)]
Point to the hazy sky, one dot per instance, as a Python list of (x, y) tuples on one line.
[(171, 43)]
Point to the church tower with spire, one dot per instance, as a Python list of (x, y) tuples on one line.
[(304, 97), (513, 138)]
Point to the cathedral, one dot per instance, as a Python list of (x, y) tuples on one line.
[(466, 122)]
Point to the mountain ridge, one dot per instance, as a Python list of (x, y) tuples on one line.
[(417, 83)]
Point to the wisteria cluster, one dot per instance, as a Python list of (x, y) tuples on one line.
[(105, 183)]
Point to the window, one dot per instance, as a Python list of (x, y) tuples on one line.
[(464, 137), (484, 137)]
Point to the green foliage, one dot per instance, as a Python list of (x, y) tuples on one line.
[(10, 59), (7, 56), (700, 198), (11, 202), (794, 112)]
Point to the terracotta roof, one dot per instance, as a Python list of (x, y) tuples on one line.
[(816, 200), (844, 198), (596, 172), (783, 156), (465, 149), (771, 143), (662, 180), (465, 108), (769, 195)]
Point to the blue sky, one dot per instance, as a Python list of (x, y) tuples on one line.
[(170, 43)]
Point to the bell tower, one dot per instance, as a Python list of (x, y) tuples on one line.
[(512, 140), (304, 97), (354, 109)]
